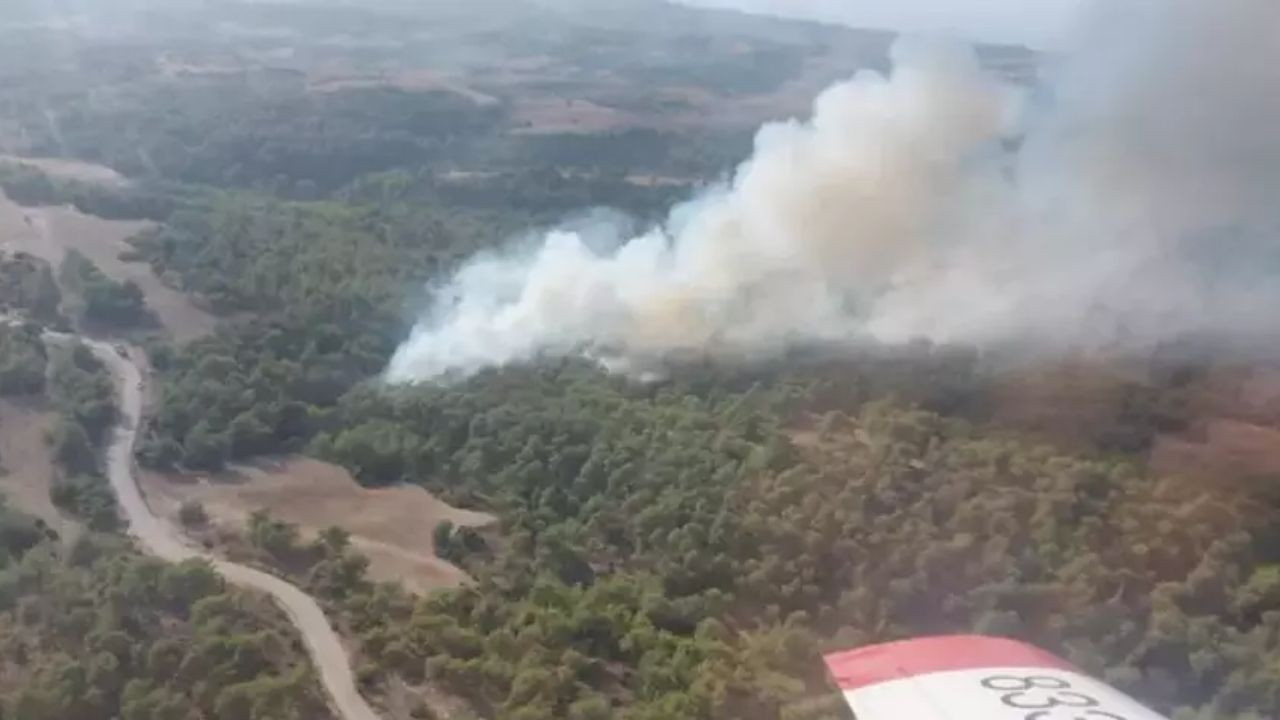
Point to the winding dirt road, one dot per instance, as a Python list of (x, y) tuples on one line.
[(158, 537)]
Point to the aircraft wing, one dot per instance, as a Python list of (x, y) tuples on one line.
[(969, 677)]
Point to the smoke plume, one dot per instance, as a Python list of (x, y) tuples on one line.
[(1126, 200)]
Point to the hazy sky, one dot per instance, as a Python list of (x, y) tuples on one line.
[(1032, 22)]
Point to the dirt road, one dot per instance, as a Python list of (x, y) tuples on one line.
[(158, 537), (41, 231)]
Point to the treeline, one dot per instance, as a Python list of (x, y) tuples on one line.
[(101, 632)]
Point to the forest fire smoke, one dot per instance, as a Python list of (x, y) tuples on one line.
[(1127, 200)]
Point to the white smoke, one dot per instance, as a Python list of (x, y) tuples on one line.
[(1138, 204)]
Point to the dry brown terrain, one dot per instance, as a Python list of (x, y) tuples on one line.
[(1236, 434), (1232, 415), (26, 467), (417, 80), (392, 526), (1064, 401), (1223, 449), (49, 232), (1251, 394)]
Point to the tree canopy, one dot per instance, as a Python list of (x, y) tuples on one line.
[(101, 299), (103, 632)]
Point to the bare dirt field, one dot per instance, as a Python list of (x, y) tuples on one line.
[(416, 80), (49, 232), (26, 467), (392, 526)]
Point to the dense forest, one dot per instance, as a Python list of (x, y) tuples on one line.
[(683, 550), (688, 550), (93, 630)]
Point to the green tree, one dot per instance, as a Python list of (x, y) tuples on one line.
[(192, 514), (22, 361), (271, 535), (72, 448), (205, 449)]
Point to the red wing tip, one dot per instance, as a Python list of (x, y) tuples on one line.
[(854, 669)]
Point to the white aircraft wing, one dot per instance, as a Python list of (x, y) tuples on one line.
[(969, 677)]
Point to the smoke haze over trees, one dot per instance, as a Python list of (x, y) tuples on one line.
[(897, 211)]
